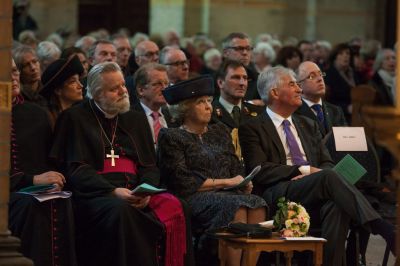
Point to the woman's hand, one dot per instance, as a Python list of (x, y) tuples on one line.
[(235, 180), (139, 202), (49, 178), (248, 188)]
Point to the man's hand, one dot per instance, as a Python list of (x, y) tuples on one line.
[(49, 178), (298, 177), (314, 169), (139, 202)]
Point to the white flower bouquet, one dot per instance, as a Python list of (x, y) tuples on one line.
[(291, 219)]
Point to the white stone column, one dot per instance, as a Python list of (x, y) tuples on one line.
[(310, 30), (166, 15)]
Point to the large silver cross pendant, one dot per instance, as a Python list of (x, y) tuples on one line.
[(113, 157)]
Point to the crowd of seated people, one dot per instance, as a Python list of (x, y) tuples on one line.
[(112, 112)]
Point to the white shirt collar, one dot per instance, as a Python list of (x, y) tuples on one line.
[(310, 103), (148, 111), (277, 119), (227, 105)]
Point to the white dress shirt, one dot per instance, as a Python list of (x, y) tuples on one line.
[(150, 119), (277, 121), (228, 106)]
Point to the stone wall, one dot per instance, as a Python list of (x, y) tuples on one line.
[(52, 15), (335, 20)]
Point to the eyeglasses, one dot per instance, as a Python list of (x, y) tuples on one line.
[(159, 84), (178, 63), (240, 48), (313, 75), (150, 54)]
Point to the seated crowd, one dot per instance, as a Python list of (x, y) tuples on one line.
[(104, 116)]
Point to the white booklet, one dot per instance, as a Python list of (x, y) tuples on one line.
[(246, 180), (43, 196), (305, 238)]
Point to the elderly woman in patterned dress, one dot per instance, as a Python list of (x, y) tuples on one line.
[(198, 161)]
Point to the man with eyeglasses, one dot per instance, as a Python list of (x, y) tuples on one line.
[(176, 62), (311, 81), (151, 79), (295, 165), (237, 46), (146, 52)]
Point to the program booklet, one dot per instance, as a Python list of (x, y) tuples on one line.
[(350, 169), (146, 189), (246, 180), (42, 192)]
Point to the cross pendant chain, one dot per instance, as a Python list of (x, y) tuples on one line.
[(112, 156)]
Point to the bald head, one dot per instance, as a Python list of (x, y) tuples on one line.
[(146, 52), (311, 81)]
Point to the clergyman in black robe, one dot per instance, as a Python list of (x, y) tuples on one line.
[(45, 228), (105, 152)]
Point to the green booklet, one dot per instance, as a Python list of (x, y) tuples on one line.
[(146, 189), (246, 180), (37, 188), (350, 169)]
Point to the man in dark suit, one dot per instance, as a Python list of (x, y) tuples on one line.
[(230, 108), (311, 81), (297, 166), (151, 79)]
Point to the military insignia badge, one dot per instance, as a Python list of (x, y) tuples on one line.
[(253, 114), (218, 112)]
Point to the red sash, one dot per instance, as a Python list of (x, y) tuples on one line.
[(122, 165), (169, 211)]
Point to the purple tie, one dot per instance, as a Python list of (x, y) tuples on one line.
[(294, 148)]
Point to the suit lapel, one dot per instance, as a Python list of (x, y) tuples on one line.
[(269, 127), (327, 115), (222, 115)]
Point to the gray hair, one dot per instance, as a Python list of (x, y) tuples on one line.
[(138, 37), (210, 53), (19, 52), (48, 51), (178, 111), (95, 79), (379, 58), (165, 52), (270, 79), (92, 49), (267, 50), (226, 42)]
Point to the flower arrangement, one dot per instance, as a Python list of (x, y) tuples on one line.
[(291, 219)]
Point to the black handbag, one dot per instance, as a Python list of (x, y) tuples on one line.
[(235, 230)]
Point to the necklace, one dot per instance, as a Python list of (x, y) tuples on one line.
[(194, 132), (112, 155)]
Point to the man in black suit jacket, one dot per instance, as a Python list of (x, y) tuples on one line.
[(151, 79), (303, 174), (311, 81)]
